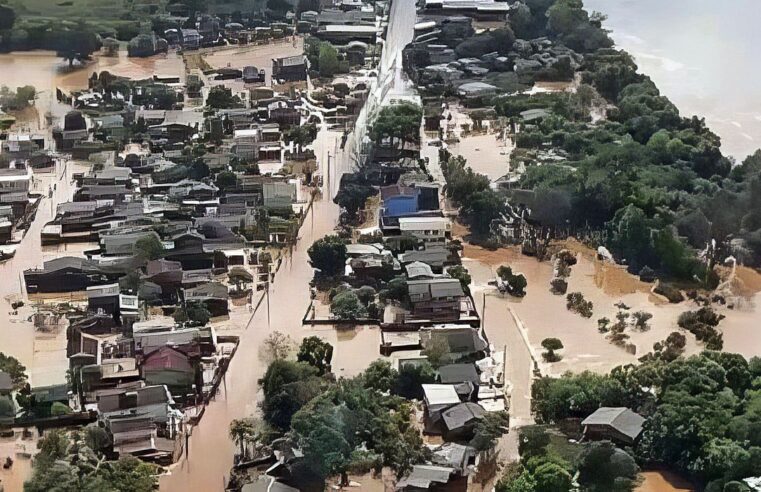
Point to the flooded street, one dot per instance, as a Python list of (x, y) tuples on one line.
[(210, 449)]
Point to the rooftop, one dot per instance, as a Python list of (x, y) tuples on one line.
[(621, 419)]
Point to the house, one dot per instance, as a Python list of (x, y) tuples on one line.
[(615, 423), (104, 299), (65, 274), (341, 34), (191, 39), (434, 255), (253, 75), (436, 299), (460, 420), (427, 229), (458, 456), (419, 271), (279, 195), (458, 373), (426, 477), (290, 68), (399, 201), (437, 398), (212, 295), (170, 367), (461, 341)]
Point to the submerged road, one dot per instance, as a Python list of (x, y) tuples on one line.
[(207, 464)]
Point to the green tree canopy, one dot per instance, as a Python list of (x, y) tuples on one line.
[(328, 255)]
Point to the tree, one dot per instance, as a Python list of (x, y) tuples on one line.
[(194, 314), (575, 302), (328, 255), (306, 6), (77, 44), (397, 122), (380, 376), (630, 235), (395, 290), (347, 306), (17, 372), (278, 346), (301, 135), (551, 345), (490, 428), (353, 196), (241, 432), (603, 467), (328, 61), (316, 352), (524, 482), (149, 248), (366, 294), (7, 18), (226, 180), (516, 284), (288, 386), (412, 377), (481, 209), (67, 463), (460, 273), (342, 427), (551, 477), (221, 97)]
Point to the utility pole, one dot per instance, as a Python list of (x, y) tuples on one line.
[(268, 301)]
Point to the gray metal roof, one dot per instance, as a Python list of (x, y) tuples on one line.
[(419, 269), (462, 414), (621, 419), (435, 288), (458, 373), (423, 476)]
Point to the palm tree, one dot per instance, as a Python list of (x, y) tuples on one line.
[(241, 431)]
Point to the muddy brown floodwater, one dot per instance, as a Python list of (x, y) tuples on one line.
[(46, 72), (545, 315)]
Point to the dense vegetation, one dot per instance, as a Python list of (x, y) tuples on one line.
[(75, 461), (655, 181), (349, 425), (703, 412)]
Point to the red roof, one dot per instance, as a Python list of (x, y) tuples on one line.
[(167, 358)]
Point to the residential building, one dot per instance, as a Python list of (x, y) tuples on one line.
[(618, 424), (427, 229), (290, 68)]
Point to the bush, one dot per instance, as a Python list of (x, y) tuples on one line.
[(575, 302), (58, 408)]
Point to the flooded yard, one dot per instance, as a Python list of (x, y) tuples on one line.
[(544, 314), (259, 56), (663, 481)]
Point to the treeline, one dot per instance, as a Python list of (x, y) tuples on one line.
[(703, 412), (655, 180)]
